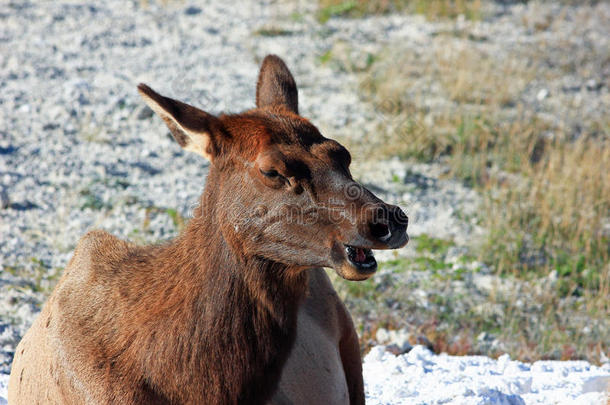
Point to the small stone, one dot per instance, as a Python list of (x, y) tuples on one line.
[(192, 10), (395, 349), (145, 113), (382, 335), (592, 85), (401, 338), (4, 200), (424, 341), (542, 94)]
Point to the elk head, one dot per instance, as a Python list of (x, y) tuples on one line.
[(278, 188)]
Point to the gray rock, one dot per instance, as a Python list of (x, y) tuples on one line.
[(4, 200)]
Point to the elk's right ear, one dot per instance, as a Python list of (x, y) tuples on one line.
[(195, 130)]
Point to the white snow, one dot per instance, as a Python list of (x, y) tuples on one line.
[(422, 377)]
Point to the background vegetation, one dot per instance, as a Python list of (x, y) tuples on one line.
[(545, 181)]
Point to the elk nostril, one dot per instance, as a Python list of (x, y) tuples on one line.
[(399, 217), (380, 231)]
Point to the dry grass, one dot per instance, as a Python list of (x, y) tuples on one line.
[(432, 9), (554, 216), (545, 178), (526, 318), (548, 195), (471, 76), (465, 74)]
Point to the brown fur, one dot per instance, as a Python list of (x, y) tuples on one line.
[(211, 317)]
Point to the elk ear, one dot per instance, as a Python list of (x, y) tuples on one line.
[(195, 130), (276, 86)]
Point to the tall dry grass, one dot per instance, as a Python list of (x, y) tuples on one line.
[(432, 9), (547, 189), (555, 216), (541, 163)]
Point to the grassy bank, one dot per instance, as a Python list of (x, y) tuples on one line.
[(503, 121), (547, 185), (432, 9)]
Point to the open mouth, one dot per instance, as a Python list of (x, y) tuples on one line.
[(361, 258)]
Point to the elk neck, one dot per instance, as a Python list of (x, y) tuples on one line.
[(242, 309)]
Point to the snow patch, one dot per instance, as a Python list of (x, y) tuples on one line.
[(422, 377)]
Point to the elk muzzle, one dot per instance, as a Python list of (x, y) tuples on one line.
[(378, 226)]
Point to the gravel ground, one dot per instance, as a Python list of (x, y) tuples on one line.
[(78, 150)]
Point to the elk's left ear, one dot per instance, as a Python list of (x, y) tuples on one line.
[(195, 130), (276, 86)]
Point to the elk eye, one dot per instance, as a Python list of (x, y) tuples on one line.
[(270, 173)]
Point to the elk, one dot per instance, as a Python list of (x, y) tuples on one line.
[(237, 309)]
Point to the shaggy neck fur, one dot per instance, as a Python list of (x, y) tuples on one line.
[(206, 325)]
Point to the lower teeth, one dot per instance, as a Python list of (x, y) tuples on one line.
[(359, 255)]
